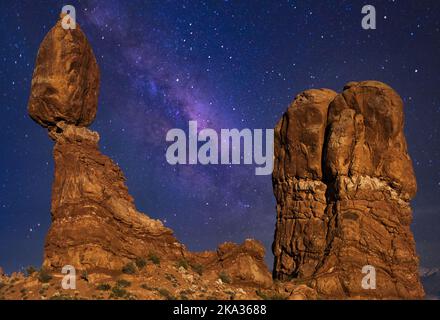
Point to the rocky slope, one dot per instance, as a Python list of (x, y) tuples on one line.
[(149, 279), (343, 180)]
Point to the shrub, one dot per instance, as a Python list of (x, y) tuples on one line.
[(182, 263), (103, 287), (154, 258), (166, 294), (146, 287), (224, 277), (62, 297), (262, 295), (85, 276), (31, 270), (140, 263), (119, 292), (122, 283), (275, 296), (129, 268), (44, 276), (197, 268)]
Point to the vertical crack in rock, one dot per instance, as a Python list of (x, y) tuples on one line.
[(343, 180)]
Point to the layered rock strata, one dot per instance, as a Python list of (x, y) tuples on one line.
[(343, 181)]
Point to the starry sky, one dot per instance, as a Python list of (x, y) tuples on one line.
[(226, 64)]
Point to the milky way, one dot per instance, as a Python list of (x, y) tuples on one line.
[(226, 64)]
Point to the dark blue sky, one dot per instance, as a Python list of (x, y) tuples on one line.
[(226, 64)]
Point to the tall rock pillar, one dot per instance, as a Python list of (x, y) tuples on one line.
[(344, 211)]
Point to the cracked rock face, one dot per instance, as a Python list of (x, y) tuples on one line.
[(65, 83), (343, 180), (94, 220)]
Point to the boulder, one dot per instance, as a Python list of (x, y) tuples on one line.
[(65, 83)]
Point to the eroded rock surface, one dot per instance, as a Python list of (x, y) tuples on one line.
[(94, 221), (298, 185), (348, 207), (96, 227), (65, 83)]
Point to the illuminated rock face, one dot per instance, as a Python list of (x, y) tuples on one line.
[(95, 224), (94, 220), (65, 83), (343, 180)]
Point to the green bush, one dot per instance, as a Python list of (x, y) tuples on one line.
[(31, 270), (224, 277), (197, 268), (140, 263), (44, 276), (122, 283), (182, 263), (103, 287), (166, 294), (119, 292), (275, 296), (129, 268), (154, 258)]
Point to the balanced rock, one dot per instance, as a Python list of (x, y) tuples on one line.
[(357, 212), (95, 224), (65, 83)]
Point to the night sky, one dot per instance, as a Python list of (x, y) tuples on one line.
[(226, 64)]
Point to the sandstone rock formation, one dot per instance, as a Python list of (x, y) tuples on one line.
[(343, 180), (94, 220), (95, 225), (65, 84), (242, 263)]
